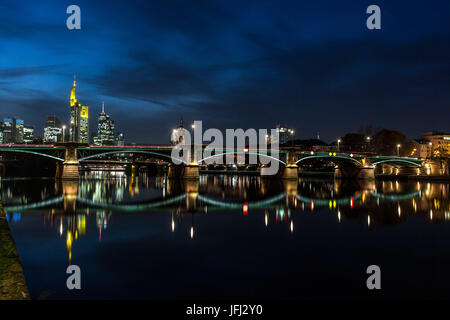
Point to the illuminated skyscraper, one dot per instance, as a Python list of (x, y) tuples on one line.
[(177, 134), (28, 134), (52, 130), (120, 139), (105, 134), (8, 136), (284, 134), (18, 130), (12, 130), (79, 119)]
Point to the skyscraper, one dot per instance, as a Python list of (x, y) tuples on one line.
[(120, 139), (8, 136), (106, 128), (18, 130), (12, 130), (28, 134), (52, 130), (79, 119), (177, 134)]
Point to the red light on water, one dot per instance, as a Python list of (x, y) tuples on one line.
[(311, 205), (245, 209)]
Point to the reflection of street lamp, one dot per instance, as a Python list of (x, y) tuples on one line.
[(64, 132), (71, 134), (398, 150), (338, 142)]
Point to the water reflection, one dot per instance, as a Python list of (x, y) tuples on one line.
[(66, 205), (70, 209)]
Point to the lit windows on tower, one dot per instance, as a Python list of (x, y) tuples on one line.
[(106, 127)]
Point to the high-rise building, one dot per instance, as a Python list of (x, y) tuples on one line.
[(12, 130), (28, 134), (79, 119), (96, 139), (18, 130), (105, 134), (177, 134), (120, 139), (52, 130), (284, 134), (8, 129)]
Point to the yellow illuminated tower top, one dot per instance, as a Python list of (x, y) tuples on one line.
[(73, 99)]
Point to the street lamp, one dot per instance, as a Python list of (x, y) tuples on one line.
[(193, 126), (64, 132), (338, 142), (398, 150)]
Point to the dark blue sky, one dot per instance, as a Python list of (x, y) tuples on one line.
[(233, 64)]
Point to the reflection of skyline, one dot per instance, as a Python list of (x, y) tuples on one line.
[(231, 192), (374, 203)]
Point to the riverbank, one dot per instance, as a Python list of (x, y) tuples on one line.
[(12, 280), (436, 178)]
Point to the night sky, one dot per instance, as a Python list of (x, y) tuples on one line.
[(312, 65)]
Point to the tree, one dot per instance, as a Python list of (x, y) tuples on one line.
[(385, 142)]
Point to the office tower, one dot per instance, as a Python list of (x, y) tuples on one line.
[(18, 130), (12, 129), (8, 125), (120, 140), (79, 119), (28, 134), (52, 130), (177, 134), (105, 134)]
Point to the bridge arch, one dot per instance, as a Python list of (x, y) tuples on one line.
[(162, 155), (325, 202), (240, 152), (398, 161), (30, 206), (132, 207), (33, 152), (237, 205), (341, 158)]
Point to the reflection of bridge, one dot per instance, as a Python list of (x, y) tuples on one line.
[(68, 157), (192, 201)]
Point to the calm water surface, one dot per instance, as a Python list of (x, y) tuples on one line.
[(234, 237)]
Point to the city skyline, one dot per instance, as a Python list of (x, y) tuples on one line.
[(232, 66)]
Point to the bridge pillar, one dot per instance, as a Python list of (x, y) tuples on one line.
[(353, 172), (191, 171), (290, 188), (69, 168), (434, 167), (290, 171), (69, 191), (191, 189)]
